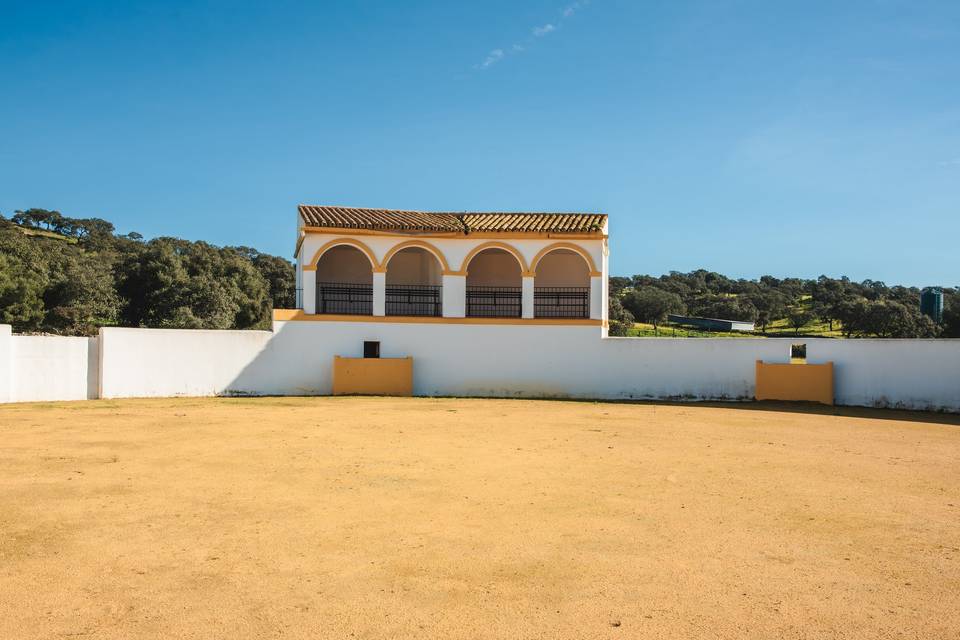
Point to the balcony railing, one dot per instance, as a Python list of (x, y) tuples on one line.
[(345, 298), (427, 300), (494, 302), (561, 302), (413, 300)]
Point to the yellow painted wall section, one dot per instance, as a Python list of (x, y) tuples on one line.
[(797, 382), (297, 315), (372, 376)]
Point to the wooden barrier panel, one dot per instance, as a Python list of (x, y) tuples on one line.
[(373, 376), (798, 382)]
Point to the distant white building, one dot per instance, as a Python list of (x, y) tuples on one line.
[(520, 268)]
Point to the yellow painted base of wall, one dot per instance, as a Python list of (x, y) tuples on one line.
[(372, 376), (297, 315), (796, 382)]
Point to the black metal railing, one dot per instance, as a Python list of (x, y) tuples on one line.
[(561, 302), (494, 302), (414, 300), (345, 298)]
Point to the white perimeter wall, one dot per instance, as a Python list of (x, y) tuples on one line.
[(52, 368), (909, 374), (511, 360), (6, 363), (148, 363), (449, 359), (463, 360)]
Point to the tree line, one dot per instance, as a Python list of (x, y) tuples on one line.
[(70, 276), (857, 309)]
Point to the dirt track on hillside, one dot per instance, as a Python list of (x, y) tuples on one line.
[(446, 518)]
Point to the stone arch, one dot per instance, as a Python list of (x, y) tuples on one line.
[(345, 241), (591, 266), (416, 244), (494, 245)]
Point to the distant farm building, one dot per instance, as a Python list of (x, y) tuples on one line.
[(711, 324)]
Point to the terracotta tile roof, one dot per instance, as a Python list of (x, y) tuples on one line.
[(383, 219), (393, 220), (547, 222)]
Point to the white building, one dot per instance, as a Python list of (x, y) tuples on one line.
[(459, 304), (522, 268)]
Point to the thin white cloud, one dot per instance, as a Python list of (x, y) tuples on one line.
[(539, 32), (950, 163), (493, 57), (572, 8), (496, 55)]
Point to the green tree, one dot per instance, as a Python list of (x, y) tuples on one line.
[(771, 305), (620, 319), (37, 218), (280, 275), (891, 319), (799, 317), (652, 305), (951, 314), (23, 279), (617, 284), (81, 295), (178, 284), (725, 307)]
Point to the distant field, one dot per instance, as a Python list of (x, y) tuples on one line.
[(778, 329), (453, 518)]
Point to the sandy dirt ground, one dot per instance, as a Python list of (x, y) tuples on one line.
[(450, 518)]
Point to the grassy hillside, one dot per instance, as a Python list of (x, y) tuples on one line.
[(781, 328), (42, 233)]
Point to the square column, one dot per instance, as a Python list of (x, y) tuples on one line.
[(454, 296), (308, 292), (379, 293), (597, 298), (605, 296), (526, 297)]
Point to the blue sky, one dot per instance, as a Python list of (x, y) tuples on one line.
[(750, 138)]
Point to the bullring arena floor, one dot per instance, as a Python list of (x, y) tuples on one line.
[(449, 518)]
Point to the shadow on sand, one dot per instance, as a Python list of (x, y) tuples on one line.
[(809, 408)]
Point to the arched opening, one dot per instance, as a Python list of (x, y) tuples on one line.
[(414, 283), (345, 281), (494, 279), (562, 286)]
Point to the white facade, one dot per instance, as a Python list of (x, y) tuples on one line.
[(549, 260)]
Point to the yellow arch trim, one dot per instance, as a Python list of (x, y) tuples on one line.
[(565, 245), (495, 245), (345, 241), (420, 244)]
